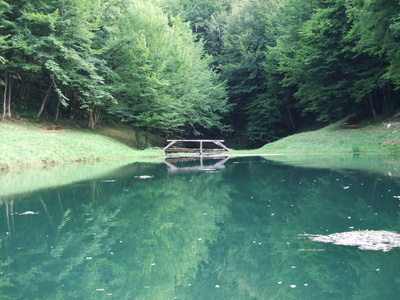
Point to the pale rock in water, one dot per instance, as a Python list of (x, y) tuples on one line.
[(377, 240), (144, 177), (28, 213)]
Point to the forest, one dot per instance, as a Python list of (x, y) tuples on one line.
[(255, 70)]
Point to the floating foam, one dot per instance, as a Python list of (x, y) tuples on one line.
[(376, 240)]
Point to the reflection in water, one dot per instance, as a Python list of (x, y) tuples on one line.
[(220, 164), (229, 234)]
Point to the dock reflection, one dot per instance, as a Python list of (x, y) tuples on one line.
[(172, 163)]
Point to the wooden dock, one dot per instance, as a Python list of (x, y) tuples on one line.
[(201, 149)]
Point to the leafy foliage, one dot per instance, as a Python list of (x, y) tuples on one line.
[(125, 58), (185, 67), (168, 86)]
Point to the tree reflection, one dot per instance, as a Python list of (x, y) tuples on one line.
[(232, 234), (267, 259), (141, 239)]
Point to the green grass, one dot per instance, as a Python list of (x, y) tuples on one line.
[(375, 138), (24, 145)]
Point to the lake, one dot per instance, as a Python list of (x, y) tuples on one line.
[(238, 228)]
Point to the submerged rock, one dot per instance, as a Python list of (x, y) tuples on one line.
[(377, 240)]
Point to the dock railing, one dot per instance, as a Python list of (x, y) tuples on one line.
[(201, 149)]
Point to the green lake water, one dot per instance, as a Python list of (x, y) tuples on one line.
[(212, 229)]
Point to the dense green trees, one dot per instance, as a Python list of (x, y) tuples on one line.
[(290, 61), (263, 67), (51, 47), (245, 62), (125, 58), (174, 88)]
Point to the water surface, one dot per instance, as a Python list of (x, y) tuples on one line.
[(215, 229)]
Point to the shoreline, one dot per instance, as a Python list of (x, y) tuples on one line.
[(25, 145), (21, 181), (153, 157)]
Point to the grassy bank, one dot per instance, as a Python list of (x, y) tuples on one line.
[(373, 138), (24, 145)]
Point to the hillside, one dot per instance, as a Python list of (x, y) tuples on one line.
[(24, 144), (369, 137)]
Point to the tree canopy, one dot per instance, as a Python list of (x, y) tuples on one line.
[(263, 68), (124, 58)]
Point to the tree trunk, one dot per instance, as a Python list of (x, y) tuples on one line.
[(377, 102), (27, 90), (371, 104), (291, 117), (57, 111), (97, 115), (46, 96), (8, 114), (94, 113), (146, 144), (388, 105), (137, 137), (22, 89), (3, 115), (91, 120)]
